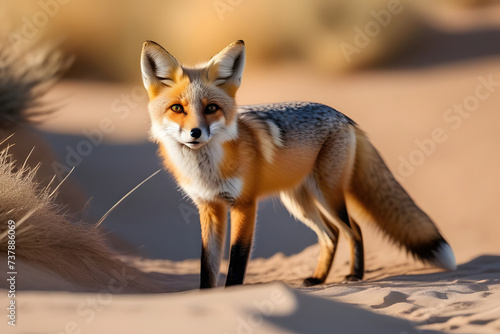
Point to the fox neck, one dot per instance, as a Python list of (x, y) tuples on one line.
[(198, 171)]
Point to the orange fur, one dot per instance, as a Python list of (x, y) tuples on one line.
[(213, 219), (243, 223), (323, 167)]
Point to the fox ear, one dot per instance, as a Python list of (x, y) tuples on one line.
[(157, 65), (227, 66)]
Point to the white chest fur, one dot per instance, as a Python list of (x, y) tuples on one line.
[(201, 168)]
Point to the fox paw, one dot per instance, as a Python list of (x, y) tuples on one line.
[(351, 279), (310, 281)]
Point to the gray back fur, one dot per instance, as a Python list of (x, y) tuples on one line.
[(300, 123)]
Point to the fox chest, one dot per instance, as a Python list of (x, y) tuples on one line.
[(208, 190), (198, 174)]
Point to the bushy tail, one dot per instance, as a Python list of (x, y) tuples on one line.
[(375, 195)]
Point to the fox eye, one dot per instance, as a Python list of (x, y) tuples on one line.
[(177, 108), (211, 108)]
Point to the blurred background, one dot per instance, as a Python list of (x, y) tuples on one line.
[(329, 37), (396, 67)]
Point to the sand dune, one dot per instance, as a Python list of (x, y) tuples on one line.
[(270, 308)]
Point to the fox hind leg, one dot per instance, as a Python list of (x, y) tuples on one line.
[(351, 229), (300, 203), (356, 243), (327, 253)]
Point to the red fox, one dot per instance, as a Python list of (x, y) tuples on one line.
[(228, 157)]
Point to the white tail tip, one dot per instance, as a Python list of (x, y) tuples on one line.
[(444, 257)]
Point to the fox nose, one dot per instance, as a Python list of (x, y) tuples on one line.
[(195, 133)]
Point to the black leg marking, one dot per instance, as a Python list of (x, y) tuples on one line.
[(206, 279), (342, 214), (357, 253), (237, 264), (311, 281), (358, 264)]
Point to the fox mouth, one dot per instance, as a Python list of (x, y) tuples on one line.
[(194, 144)]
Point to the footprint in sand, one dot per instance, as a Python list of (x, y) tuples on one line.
[(392, 298)]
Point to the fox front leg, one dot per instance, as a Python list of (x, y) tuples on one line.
[(213, 220), (242, 228)]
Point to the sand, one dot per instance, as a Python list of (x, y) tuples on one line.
[(454, 178)]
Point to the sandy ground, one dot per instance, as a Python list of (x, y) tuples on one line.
[(446, 160)]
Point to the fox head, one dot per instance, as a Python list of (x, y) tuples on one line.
[(192, 106)]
